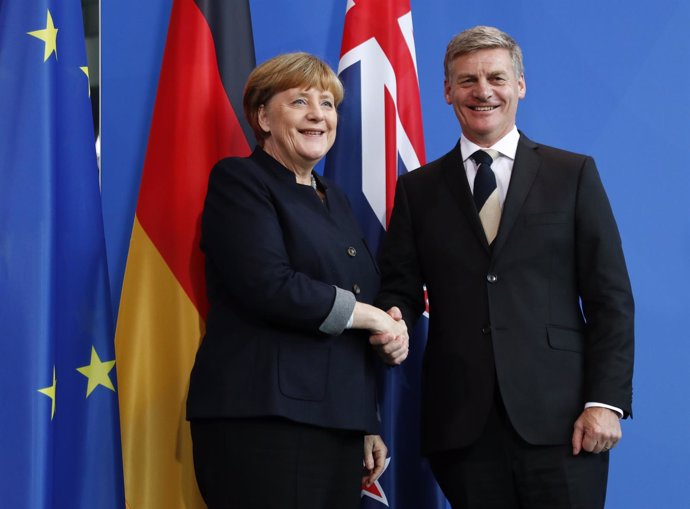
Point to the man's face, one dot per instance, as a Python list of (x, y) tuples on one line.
[(484, 91)]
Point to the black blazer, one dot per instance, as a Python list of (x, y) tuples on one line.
[(511, 313), (274, 253)]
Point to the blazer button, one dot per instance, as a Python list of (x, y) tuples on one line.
[(351, 251), (356, 289), (486, 330), (492, 278)]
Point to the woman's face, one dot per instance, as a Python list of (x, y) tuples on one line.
[(302, 125)]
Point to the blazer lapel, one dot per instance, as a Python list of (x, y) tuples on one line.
[(454, 174), (524, 172)]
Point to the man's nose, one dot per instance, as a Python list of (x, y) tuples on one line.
[(482, 90)]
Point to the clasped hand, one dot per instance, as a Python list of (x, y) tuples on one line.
[(392, 342)]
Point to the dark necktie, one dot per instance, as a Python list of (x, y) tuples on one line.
[(485, 193)]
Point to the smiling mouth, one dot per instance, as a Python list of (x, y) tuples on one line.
[(482, 108), (309, 132)]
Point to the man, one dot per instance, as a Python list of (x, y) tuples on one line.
[(529, 360)]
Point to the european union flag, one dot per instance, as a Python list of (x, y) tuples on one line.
[(59, 431)]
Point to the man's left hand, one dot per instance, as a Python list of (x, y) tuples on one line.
[(597, 429)]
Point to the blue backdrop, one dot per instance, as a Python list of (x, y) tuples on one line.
[(605, 78)]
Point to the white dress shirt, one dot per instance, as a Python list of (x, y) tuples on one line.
[(502, 165)]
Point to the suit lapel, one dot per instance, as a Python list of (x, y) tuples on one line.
[(524, 172), (454, 175)]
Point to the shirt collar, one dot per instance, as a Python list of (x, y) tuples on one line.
[(281, 171), (506, 146)]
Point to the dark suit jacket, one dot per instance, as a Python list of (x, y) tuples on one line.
[(274, 253), (511, 314)]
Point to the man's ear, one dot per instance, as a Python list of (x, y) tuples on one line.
[(446, 91), (522, 87)]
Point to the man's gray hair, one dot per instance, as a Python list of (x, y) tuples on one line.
[(482, 37)]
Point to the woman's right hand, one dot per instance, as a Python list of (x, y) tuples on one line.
[(388, 331)]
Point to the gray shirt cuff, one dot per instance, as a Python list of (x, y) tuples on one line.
[(342, 309)]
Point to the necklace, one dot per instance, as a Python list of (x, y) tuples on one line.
[(313, 182)]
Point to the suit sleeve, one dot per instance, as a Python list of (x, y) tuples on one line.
[(607, 300), (243, 242), (402, 283)]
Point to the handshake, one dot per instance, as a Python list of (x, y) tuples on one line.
[(388, 331), (391, 341)]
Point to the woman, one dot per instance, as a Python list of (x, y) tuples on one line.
[(282, 395)]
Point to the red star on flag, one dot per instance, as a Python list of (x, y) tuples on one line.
[(375, 491)]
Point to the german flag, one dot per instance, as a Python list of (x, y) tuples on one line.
[(197, 120)]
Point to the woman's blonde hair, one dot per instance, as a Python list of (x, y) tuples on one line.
[(281, 73)]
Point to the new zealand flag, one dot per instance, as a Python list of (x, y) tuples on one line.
[(380, 137)]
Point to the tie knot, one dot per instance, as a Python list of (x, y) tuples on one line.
[(484, 157)]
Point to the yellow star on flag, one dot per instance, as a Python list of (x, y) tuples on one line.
[(97, 373), (49, 36), (50, 392), (85, 70)]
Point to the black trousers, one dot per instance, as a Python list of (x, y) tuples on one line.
[(502, 471), (274, 463)]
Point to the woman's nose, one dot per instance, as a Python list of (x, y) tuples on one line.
[(315, 112)]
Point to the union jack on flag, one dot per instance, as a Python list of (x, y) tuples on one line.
[(380, 136)]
